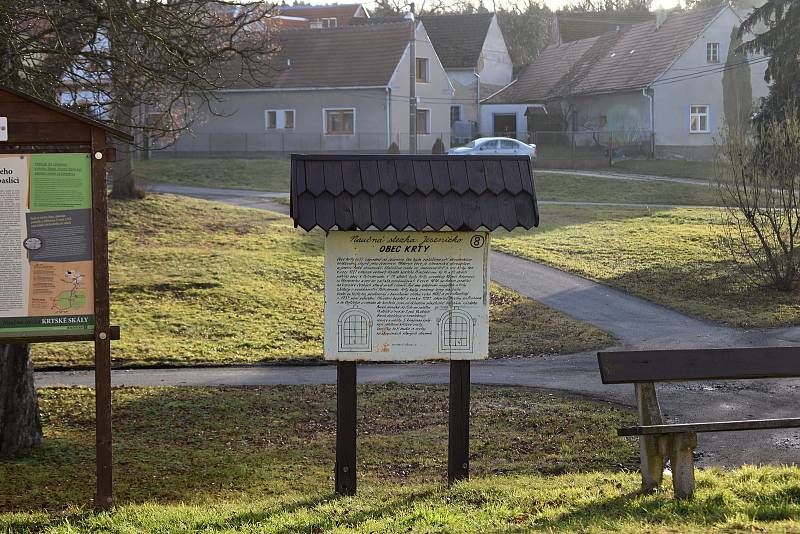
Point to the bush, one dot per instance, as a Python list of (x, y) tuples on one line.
[(760, 189), (393, 149), (438, 146)]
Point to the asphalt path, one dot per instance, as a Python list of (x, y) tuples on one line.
[(635, 322)]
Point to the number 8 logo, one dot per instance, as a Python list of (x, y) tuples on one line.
[(477, 241)]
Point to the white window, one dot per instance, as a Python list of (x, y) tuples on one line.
[(329, 22), (422, 70), (712, 52), (455, 113), (698, 119), (339, 121), (423, 121), (279, 119)]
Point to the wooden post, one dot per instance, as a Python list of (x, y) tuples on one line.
[(682, 462), (651, 448), (102, 329), (458, 436), (345, 428)]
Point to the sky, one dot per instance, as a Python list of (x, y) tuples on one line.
[(553, 4)]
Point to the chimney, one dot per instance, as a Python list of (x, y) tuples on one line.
[(661, 17)]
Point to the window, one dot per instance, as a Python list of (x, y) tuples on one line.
[(340, 121), (488, 146), (507, 144), (278, 119), (456, 332), (455, 113), (329, 22), (423, 121), (422, 70), (698, 119), (355, 331), (712, 52)]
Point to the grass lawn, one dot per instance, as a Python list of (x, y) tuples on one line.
[(699, 170), (261, 460), (197, 282), (257, 174), (667, 256), (565, 187)]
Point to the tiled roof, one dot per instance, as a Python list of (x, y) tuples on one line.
[(457, 38), (343, 13), (361, 192), (630, 59), (575, 26), (339, 57)]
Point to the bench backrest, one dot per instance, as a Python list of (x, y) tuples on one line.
[(627, 367)]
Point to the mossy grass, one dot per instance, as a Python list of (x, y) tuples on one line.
[(261, 460), (196, 282), (669, 256)]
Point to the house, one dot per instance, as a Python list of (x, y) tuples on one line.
[(322, 16), (658, 82), (473, 52), (343, 89)]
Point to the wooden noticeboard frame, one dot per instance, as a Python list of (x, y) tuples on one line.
[(29, 125)]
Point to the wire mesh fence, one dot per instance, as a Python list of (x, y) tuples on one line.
[(555, 149)]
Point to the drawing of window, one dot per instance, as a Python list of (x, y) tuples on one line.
[(355, 331), (456, 330)]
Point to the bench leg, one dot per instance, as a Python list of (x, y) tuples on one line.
[(651, 448), (651, 452), (682, 462)]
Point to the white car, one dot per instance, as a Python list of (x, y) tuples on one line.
[(500, 146)]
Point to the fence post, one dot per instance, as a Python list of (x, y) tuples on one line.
[(611, 148), (572, 150)]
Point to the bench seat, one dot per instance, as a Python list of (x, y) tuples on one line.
[(720, 426)]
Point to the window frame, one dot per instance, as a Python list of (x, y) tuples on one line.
[(699, 115), (338, 134), (427, 63), (429, 122), (460, 108), (712, 53), (280, 119)]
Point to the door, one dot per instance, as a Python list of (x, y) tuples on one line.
[(505, 124)]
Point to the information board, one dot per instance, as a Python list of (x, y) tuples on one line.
[(400, 296), (46, 267)]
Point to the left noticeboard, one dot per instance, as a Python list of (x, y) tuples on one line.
[(46, 262)]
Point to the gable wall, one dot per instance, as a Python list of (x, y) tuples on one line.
[(436, 95), (673, 96)]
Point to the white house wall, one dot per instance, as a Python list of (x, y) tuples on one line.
[(494, 67), (436, 96), (674, 95), (241, 124)]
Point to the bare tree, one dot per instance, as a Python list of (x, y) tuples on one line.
[(147, 66), (758, 177)]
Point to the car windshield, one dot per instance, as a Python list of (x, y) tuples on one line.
[(471, 144)]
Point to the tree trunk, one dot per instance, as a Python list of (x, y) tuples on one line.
[(124, 183), (20, 425)]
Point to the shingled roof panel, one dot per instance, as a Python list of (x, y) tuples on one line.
[(467, 193)]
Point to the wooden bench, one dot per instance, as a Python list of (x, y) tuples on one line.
[(658, 440)]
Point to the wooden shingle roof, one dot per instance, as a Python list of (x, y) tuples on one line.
[(365, 192)]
